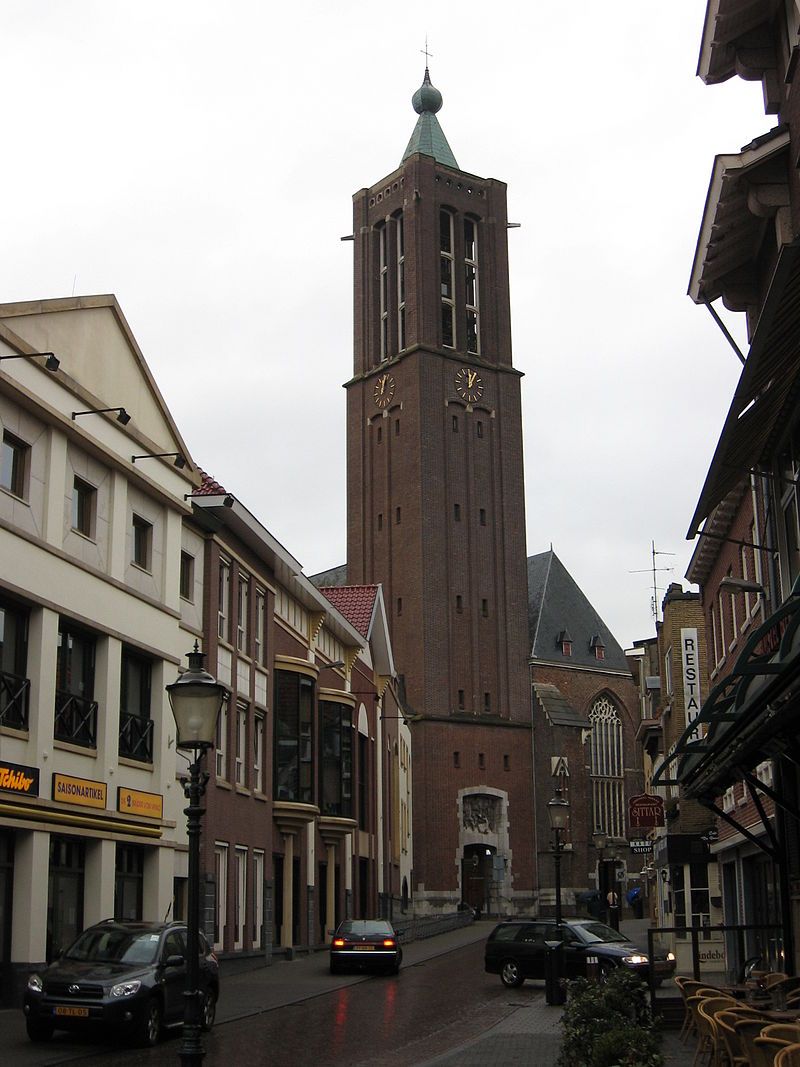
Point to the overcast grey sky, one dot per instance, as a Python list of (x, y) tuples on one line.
[(198, 160)]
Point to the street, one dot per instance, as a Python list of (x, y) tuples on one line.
[(433, 1006)]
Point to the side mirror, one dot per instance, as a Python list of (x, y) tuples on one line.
[(175, 960)]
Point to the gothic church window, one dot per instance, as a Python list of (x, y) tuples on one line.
[(471, 278), (607, 768)]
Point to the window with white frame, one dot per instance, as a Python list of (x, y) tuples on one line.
[(721, 612), (259, 648), (744, 555), (142, 536), (734, 620), (729, 798), (384, 291), (712, 614), (258, 899), (223, 609), (240, 917), (607, 768), (259, 724), (668, 673), (241, 744), (221, 910), (764, 772), (14, 465), (788, 473), (447, 279), (242, 611), (471, 279), (401, 284), (756, 565), (187, 577), (222, 742)]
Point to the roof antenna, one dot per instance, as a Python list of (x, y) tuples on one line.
[(652, 570)]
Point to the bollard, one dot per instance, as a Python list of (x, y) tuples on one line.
[(554, 991)]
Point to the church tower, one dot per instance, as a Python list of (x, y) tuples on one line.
[(436, 508)]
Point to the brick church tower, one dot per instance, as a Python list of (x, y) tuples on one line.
[(436, 509)]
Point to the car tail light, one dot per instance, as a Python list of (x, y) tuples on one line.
[(388, 942), (338, 942)]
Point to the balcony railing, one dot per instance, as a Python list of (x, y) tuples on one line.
[(14, 701), (136, 737), (76, 720)]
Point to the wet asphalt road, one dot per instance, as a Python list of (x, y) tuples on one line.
[(401, 1021)]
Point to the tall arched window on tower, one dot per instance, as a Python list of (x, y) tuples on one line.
[(607, 768), (384, 291), (447, 279), (401, 284), (471, 277)]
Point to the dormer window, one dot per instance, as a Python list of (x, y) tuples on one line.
[(564, 641), (598, 647)]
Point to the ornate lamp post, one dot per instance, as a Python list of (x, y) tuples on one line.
[(558, 813), (196, 699)]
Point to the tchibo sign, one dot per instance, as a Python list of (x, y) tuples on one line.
[(690, 658)]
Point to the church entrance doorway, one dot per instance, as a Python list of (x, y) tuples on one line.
[(477, 866)]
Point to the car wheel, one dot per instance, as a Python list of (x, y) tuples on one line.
[(148, 1027), (510, 974), (208, 1010), (606, 969), (37, 1030)]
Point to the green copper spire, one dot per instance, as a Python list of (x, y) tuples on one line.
[(428, 137)]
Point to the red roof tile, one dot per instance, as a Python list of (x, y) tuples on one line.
[(209, 486), (355, 602)]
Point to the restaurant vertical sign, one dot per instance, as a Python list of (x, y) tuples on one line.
[(690, 660)]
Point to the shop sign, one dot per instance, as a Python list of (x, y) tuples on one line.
[(690, 659), (645, 812), (17, 778), (641, 848), (135, 802), (81, 791)]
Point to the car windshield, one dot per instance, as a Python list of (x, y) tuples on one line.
[(366, 928), (115, 945), (593, 933)]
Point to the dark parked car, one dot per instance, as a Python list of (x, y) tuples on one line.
[(125, 976), (518, 949), (365, 944)]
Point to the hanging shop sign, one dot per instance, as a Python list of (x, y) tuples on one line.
[(645, 811), (17, 778), (81, 791), (135, 802), (641, 848)]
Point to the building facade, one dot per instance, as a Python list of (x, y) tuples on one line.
[(585, 720), (91, 512), (747, 256), (436, 508)]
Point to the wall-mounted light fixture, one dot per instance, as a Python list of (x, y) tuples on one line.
[(122, 414), (740, 585), (178, 458), (50, 361)]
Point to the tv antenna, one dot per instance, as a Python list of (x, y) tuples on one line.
[(653, 569)]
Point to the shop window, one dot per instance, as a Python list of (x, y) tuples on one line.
[(128, 882)]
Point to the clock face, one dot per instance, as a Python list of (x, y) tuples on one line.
[(384, 390), (469, 385)]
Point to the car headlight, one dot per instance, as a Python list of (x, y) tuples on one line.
[(125, 989), (638, 958), (671, 957), (35, 984)]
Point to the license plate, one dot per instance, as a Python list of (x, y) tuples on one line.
[(364, 948), (74, 1013)]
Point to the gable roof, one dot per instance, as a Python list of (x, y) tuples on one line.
[(556, 603), (355, 602)]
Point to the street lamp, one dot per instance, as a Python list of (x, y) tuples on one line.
[(196, 699), (558, 813)]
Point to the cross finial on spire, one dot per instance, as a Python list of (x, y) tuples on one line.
[(425, 52)]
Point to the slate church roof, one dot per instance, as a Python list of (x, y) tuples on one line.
[(558, 610)]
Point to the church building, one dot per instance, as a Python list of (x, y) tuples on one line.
[(436, 509)]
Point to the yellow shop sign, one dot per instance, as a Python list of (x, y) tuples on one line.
[(81, 791), (135, 802)]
